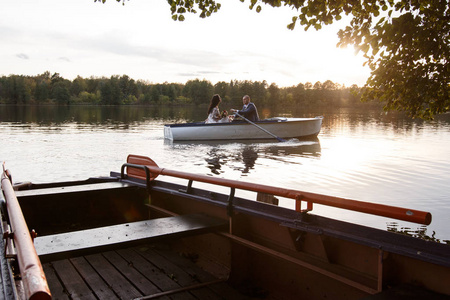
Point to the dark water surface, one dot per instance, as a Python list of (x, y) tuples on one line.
[(368, 156)]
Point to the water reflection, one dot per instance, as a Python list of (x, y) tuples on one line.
[(54, 115), (217, 158), (242, 156), (133, 116), (420, 232), (355, 120), (305, 148), (249, 156)]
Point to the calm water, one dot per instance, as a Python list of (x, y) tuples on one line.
[(367, 156)]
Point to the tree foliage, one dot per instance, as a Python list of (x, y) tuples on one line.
[(122, 90), (406, 43)]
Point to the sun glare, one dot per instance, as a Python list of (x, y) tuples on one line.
[(347, 62), (346, 155)]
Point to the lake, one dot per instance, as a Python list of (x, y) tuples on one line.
[(363, 155)]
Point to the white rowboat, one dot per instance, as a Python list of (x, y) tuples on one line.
[(280, 127)]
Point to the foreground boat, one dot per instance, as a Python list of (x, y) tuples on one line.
[(133, 236), (280, 127)]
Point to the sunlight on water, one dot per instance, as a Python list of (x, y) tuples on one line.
[(365, 156)]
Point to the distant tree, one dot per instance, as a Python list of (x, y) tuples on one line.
[(144, 98), (89, 98), (155, 92), (130, 99), (199, 91), (60, 92), (235, 93), (78, 85), (111, 93), (329, 85), (222, 88), (42, 90), (246, 87), (127, 86), (92, 84), (299, 94), (274, 93), (353, 95), (172, 90), (329, 93), (16, 90), (259, 91), (56, 78), (317, 85)]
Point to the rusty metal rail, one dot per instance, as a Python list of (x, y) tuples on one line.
[(33, 277), (388, 211)]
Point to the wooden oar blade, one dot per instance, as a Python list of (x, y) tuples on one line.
[(143, 161)]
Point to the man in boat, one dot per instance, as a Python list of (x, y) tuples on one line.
[(249, 110)]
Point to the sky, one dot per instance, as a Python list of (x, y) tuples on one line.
[(140, 39)]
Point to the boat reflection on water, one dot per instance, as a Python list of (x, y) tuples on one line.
[(418, 232), (241, 156)]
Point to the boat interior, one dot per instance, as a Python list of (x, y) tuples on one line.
[(131, 236)]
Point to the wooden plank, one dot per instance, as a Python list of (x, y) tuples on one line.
[(182, 277), (154, 274), (56, 287), (82, 242), (407, 292), (98, 286), (73, 189), (192, 269), (120, 285), (145, 286), (131, 273), (72, 281)]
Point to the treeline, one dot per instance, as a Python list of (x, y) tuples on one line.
[(122, 90)]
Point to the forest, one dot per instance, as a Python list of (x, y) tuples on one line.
[(50, 88)]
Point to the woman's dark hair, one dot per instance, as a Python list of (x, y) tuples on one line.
[(214, 102)]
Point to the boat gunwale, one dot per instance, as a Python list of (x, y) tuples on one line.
[(267, 121), (428, 251)]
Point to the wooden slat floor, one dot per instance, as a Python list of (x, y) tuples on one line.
[(133, 273)]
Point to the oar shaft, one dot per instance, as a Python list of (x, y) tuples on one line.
[(398, 213), (263, 129)]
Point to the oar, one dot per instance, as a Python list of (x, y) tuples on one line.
[(266, 131)]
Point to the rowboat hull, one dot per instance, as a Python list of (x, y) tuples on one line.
[(280, 127), (112, 237)]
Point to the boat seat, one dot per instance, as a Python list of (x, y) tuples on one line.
[(78, 243)]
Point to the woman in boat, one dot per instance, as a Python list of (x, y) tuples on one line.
[(214, 115)]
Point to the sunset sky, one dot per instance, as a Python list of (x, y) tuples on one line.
[(140, 39)]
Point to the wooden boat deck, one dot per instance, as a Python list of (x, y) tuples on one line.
[(152, 271)]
